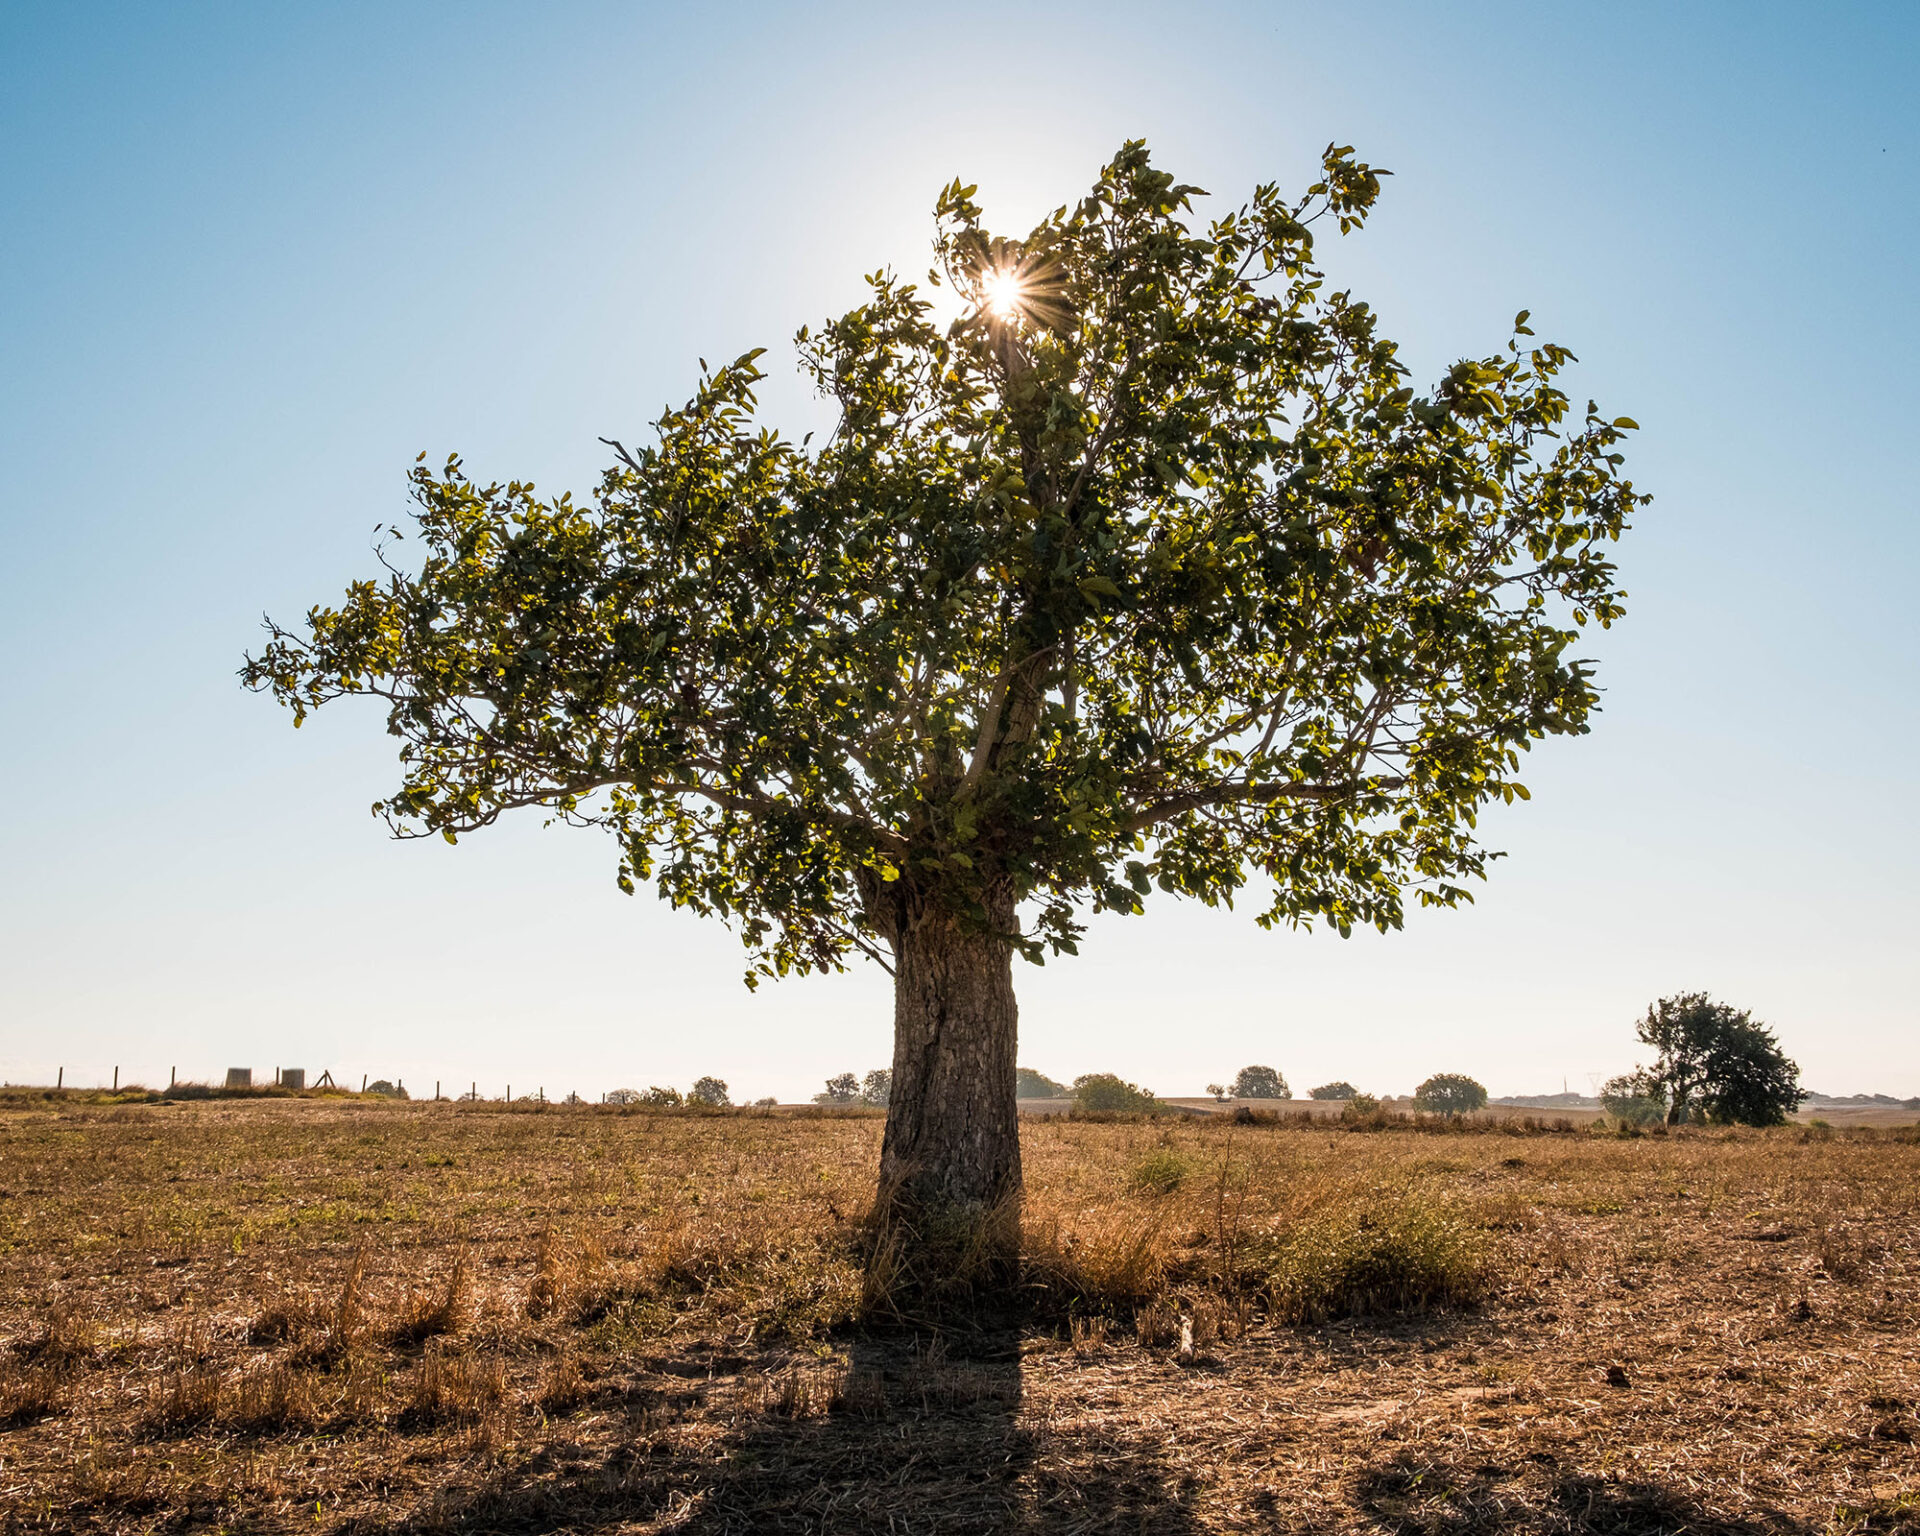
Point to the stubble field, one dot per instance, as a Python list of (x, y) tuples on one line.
[(321, 1317)]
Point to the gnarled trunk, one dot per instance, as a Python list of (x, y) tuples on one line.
[(953, 1137)]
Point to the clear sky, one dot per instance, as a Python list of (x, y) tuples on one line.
[(254, 258)]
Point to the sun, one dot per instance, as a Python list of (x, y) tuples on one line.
[(1003, 294)]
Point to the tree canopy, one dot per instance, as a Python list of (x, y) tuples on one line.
[(1260, 1083), (1714, 1062), (1151, 571), (1449, 1093)]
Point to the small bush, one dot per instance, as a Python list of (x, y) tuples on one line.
[(1160, 1172), (1335, 1090), (1362, 1109), (1104, 1093), (1395, 1254), (661, 1098)]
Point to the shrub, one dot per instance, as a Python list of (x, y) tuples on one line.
[(1260, 1083), (841, 1089), (1403, 1253), (1449, 1093), (1634, 1100), (1029, 1084), (1103, 1092), (1160, 1172), (380, 1088), (877, 1090), (661, 1098), (767, 1103), (1336, 1090), (710, 1091), (1362, 1109)]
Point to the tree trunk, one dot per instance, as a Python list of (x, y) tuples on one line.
[(953, 1138)]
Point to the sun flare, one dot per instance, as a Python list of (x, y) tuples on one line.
[(1002, 294)]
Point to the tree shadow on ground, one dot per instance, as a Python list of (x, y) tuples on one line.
[(1411, 1496), (913, 1434)]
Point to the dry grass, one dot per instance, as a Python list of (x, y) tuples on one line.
[(280, 1315)]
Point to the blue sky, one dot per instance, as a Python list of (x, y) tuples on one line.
[(254, 259)]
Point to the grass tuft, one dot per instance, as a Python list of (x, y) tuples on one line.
[(1364, 1256)]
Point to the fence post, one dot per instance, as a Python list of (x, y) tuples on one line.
[(61, 1080), (173, 1076), (363, 1082), (116, 1079)]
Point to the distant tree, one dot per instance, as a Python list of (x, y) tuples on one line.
[(1260, 1083), (1449, 1093), (1339, 1090), (662, 1098), (1150, 570), (1716, 1063), (842, 1088), (381, 1088), (1636, 1098), (709, 1091), (1218, 1090), (767, 1103), (1029, 1084), (1104, 1091), (877, 1088)]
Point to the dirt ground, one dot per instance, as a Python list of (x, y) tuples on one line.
[(303, 1316)]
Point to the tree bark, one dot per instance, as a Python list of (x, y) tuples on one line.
[(952, 1142)]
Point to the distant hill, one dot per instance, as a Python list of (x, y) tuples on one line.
[(1548, 1101)]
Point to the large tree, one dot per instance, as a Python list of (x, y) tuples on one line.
[(1149, 572), (1714, 1062)]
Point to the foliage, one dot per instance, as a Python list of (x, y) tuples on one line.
[(1715, 1062), (1029, 1084), (1335, 1090), (1218, 1091), (1361, 1109), (1161, 1171), (662, 1098), (380, 1088), (844, 1088), (1636, 1099), (1385, 1253), (1103, 1092), (1449, 1093), (1166, 579), (710, 1091), (877, 1088), (1260, 1083)]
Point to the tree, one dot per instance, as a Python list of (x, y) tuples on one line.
[(843, 1089), (1449, 1093), (1337, 1090), (1715, 1063), (710, 1091), (1219, 1092), (1634, 1099), (1103, 1092), (877, 1088), (1260, 1083), (1150, 572), (1029, 1084), (662, 1098)]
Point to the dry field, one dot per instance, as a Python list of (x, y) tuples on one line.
[(332, 1317)]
